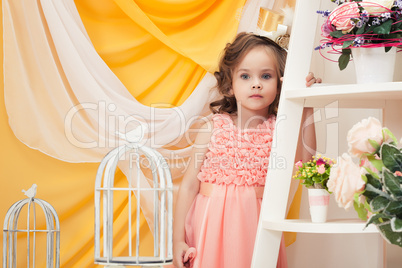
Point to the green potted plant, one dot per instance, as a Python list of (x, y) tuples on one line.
[(314, 175)]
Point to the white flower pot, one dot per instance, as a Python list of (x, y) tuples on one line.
[(318, 201), (373, 65)]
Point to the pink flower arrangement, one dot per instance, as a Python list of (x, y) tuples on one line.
[(361, 23), (374, 187), (314, 173)]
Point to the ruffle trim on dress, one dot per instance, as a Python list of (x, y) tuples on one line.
[(239, 157)]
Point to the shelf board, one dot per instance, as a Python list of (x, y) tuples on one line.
[(352, 94), (337, 226), (143, 261)]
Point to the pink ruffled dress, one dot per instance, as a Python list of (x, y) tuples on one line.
[(222, 225)]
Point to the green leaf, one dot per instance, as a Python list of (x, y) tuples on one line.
[(371, 173), (386, 131), (374, 181), (361, 210), (391, 157), (343, 61), (356, 197), (360, 30), (364, 178), (367, 206), (346, 44), (394, 35), (384, 28), (396, 225), (376, 219), (336, 34), (391, 184), (308, 182), (370, 29), (377, 163), (379, 203), (389, 235), (398, 24), (394, 208), (316, 179), (371, 192), (346, 51), (375, 144)]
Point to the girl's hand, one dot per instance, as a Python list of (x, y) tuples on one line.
[(179, 250), (310, 79)]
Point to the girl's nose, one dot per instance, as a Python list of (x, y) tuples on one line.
[(257, 86)]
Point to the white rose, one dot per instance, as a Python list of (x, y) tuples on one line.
[(375, 7), (345, 180), (359, 135)]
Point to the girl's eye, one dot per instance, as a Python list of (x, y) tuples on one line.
[(265, 76), (244, 76)]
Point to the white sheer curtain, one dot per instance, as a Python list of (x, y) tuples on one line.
[(63, 100)]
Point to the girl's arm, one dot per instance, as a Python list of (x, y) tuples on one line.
[(189, 188), (306, 145), (307, 139)]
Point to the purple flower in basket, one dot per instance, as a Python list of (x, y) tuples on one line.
[(327, 28), (320, 162)]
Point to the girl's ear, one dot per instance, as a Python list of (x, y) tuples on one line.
[(231, 91), (280, 84)]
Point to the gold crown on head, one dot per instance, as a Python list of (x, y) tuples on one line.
[(270, 24)]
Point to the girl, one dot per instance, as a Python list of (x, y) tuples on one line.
[(220, 196)]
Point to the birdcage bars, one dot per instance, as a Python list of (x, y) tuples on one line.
[(10, 230), (163, 207)]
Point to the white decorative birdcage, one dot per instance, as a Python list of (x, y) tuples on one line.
[(161, 190), (32, 233)]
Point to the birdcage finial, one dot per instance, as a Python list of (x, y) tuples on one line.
[(31, 192)]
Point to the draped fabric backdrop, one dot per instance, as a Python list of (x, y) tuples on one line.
[(75, 73)]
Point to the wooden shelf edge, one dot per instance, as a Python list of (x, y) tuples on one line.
[(381, 91), (338, 226)]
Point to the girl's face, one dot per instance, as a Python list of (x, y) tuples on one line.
[(255, 81)]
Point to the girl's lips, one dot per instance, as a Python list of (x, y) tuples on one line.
[(255, 96)]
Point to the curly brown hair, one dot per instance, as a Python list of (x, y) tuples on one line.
[(232, 55)]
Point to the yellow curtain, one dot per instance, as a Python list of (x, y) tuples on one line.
[(162, 50)]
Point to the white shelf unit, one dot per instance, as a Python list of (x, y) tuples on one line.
[(339, 226), (295, 96)]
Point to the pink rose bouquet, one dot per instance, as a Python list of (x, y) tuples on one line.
[(374, 186), (361, 23), (314, 173)]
